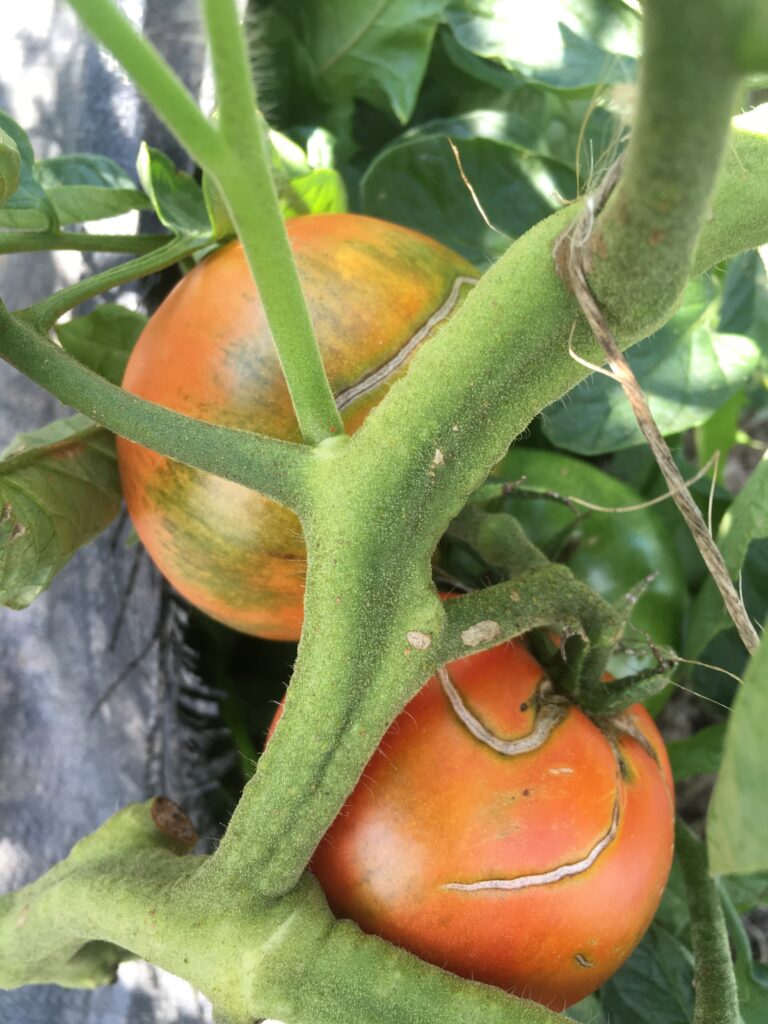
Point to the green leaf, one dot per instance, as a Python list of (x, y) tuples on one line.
[(555, 42), (10, 167), (59, 488), (737, 824), (320, 191), (747, 891), (27, 207), (176, 197), (104, 339), (587, 1011), (745, 521), (376, 50), (419, 184), (655, 984), (84, 187), (697, 754), (687, 371)]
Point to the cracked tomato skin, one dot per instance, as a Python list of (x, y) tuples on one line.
[(375, 291), (562, 851)]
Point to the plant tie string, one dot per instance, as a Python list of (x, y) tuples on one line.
[(571, 254)]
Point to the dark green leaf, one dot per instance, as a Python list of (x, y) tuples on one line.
[(558, 43), (59, 488), (85, 187), (737, 828), (28, 207), (697, 754), (746, 891), (655, 984), (176, 197), (104, 339), (587, 1011), (687, 371), (418, 183), (10, 167), (359, 49)]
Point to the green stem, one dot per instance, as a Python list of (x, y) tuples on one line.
[(235, 157), (641, 250), (131, 889), (79, 241), (717, 999), (245, 178), (44, 314), (275, 468)]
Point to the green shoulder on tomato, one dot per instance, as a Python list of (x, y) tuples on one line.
[(612, 552)]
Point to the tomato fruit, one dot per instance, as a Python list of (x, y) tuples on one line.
[(375, 291), (502, 834)]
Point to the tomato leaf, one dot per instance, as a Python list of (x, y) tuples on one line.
[(587, 1011), (697, 754), (85, 187), (27, 207), (655, 984), (362, 50), (104, 339), (687, 371), (737, 829), (417, 182), (176, 197), (745, 522), (10, 167), (59, 488), (556, 43)]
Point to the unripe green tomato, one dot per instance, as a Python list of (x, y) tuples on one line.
[(375, 291), (501, 833), (613, 552)]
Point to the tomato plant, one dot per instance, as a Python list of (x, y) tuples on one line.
[(501, 833), (513, 828), (375, 292)]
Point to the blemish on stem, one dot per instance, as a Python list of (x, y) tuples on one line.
[(481, 633), (172, 821), (419, 641)]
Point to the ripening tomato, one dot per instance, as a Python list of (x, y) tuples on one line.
[(375, 291), (502, 834)]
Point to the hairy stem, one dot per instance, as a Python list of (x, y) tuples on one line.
[(245, 178), (234, 154), (375, 522), (131, 889), (78, 241), (640, 252), (275, 468), (44, 314), (717, 1000)]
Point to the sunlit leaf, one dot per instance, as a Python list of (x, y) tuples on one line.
[(563, 44), (28, 206), (85, 187)]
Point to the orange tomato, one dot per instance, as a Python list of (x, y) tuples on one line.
[(375, 291), (500, 833)]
